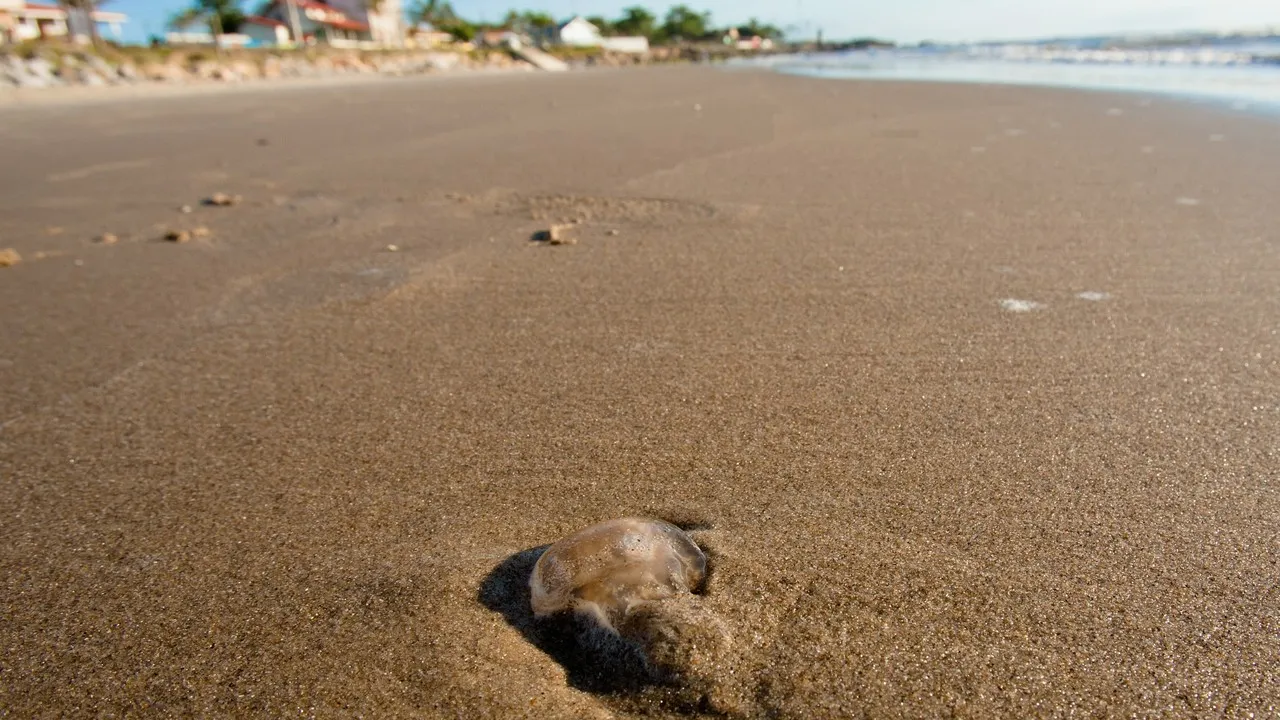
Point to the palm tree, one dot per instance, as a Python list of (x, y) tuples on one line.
[(436, 12), (223, 16), (85, 8)]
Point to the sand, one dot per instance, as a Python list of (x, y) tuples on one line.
[(966, 434)]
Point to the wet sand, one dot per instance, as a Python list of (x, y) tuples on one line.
[(971, 394)]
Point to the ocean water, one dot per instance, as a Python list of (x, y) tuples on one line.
[(1241, 79)]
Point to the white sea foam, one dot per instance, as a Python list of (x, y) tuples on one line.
[(1239, 76)]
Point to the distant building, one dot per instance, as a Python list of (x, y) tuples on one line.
[(579, 32), (386, 24), (319, 23), (266, 32), (425, 35), (21, 21), (501, 38), (746, 39)]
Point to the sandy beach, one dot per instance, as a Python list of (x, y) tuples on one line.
[(970, 394)]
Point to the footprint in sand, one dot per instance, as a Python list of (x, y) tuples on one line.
[(1021, 306)]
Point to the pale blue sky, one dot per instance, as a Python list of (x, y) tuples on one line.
[(902, 20)]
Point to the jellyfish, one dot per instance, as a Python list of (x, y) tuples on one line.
[(637, 579)]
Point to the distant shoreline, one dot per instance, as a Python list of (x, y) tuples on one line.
[(1253, 88)]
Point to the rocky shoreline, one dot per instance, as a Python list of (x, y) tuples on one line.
[(86, 69), (89, 70)]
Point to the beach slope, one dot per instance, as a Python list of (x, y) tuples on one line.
[(968, 393)]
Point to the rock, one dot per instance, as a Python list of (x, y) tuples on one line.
[(128, 72), (201, 231), (246, 70), (40, 68), (85, 76), (271, 68), (177, 236), (33, 73), (185, 209), (555, 235), (102, 67), (206, 70), (107, 239), (223, 200), (393, 248), (164, 72), (613, 233), (9, 257)]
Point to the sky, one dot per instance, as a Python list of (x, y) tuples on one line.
[(900, 20)]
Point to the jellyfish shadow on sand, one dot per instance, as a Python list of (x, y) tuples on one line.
[(594, 660)]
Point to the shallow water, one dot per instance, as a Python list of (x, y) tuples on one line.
[(1254, 86)]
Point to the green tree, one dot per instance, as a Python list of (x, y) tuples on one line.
[(222, 16), (437, 12), (538, 20), (764, 30), (683, 22), (606, 28), (637, 20), (441, 15)]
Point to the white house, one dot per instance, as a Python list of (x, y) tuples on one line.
[(20, 21), (386, 24), (266, 32), (425, 35), (579, 33), (638, 45)]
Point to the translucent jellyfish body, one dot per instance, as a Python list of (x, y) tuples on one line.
[(608, 570)]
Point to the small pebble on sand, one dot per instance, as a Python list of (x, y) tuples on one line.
[(614, 233), (393, 248), (555, 235), (9, 257), (107, 239), (177, 236), (222, 200), (200, 232)]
